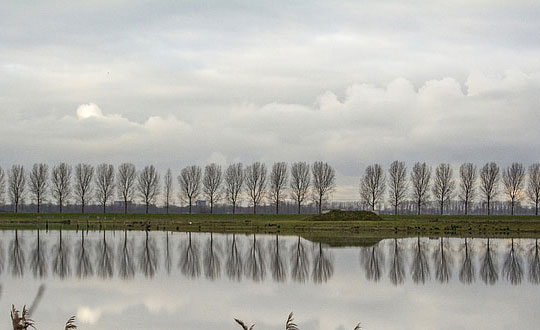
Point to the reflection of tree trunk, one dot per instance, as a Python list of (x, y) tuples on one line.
[(189, 264), (488, 269), (84, 265), (467, 272), (277, 264), (442, 263), (373, 263), (255, 264), (212, 262), (61, 265), (323, 267), (105, 262), (420, 267), (148, 257), (534, 265), (2, 258), (397, 270), (38, 259), (168, 261), (234, 261), (299, 262), (512, 268), (17, 259), (126, 268)]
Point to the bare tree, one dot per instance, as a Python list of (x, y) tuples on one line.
[(167, 188), (467, 184), (234, 181), (38, 183), (148, 185), (397, 184), (533, 188), (213, 178), (300, 182), (420, 177), (84, 173), (2, 184), (125, 182), (255, 177), (513, 178), (190, 184), (278, 182), (443, 185), (16, 185), (104, 184), (489, 183), (372, 186), (324, 181), (61, 183)]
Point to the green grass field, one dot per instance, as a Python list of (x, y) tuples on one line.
[(336, 229)]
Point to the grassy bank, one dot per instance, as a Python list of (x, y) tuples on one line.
[(334, 229)]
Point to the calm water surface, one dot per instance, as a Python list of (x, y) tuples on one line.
[(158, 280)]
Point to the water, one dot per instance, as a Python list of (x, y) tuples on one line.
[(158, 280)]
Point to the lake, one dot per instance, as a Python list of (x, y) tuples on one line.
[(172, 280)]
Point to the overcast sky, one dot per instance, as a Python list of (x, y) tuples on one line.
[(349, 82)]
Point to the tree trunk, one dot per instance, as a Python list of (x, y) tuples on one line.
[(125, 205), (234, 208), (442, 207), (104, 207), (147, 207), (277, 206), (82, 206), (418, 206), (536, 207), (488, 208), (466, 206), (254, 208), (299, 205), (395, 209), (190, 205)]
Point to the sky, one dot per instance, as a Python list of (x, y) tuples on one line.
[(174, 83)]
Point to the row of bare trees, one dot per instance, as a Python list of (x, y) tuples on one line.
[(471, 184), (86, 184)]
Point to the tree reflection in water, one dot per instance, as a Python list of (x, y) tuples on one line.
[(373, 261), (189, 260), (443, 262), (397, 269), (255, 267), (299, 262), (467, 272), (167, 254), (278, 267), (126, 267), (534, 264), (420, 266), (512, 268), (105, 258), (61, 264), (84, 265), (148, 257), (38, 258), (488, 268), (212, 261), (16, 256), (323, 266), (234, 261)]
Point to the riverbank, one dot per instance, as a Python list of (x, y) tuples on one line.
[(335, 230)]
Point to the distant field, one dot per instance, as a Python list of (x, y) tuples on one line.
[(337, 229)]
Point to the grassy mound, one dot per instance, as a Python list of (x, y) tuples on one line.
[(338, 215)]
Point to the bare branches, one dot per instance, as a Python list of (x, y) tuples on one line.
[(104, 184), (148, 185), (467, 184), (84, 174), (16, 185), (212, 180), (190, 184), (278, 183), (234, 181), (372, 186), (2, 184), (513, 177), (489, 183), (38, 183), (167, 188), (397, 184), (324, 181), (420, 177), (255, 177), (533, 187), (126, 182), (300, 182), (443, 185), (61, 183)]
